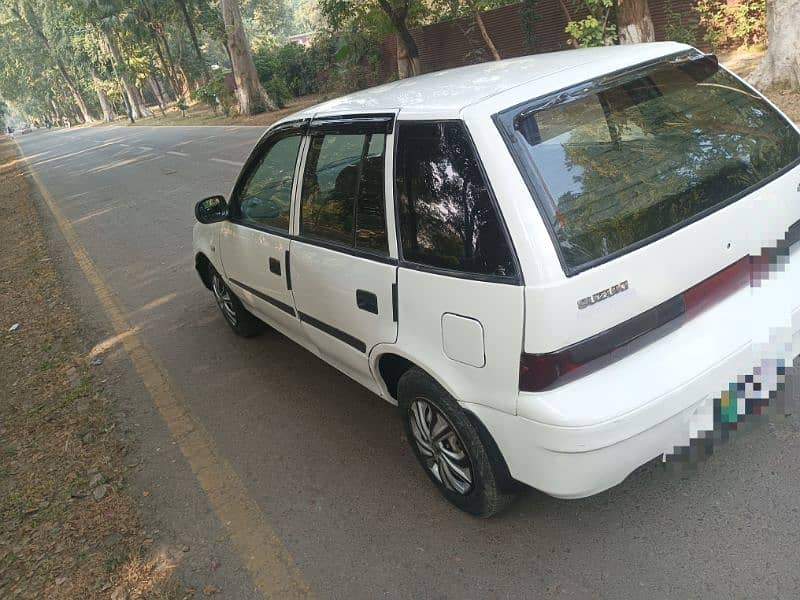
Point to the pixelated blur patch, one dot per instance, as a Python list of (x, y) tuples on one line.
[(771, 389)]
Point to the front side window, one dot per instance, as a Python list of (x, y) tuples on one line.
[(645, 153), (447, 217), (266, 197), (342, 200)]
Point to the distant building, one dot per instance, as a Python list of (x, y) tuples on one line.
[(302, 39)]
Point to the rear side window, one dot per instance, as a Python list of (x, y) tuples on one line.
[(644, 154), (342, 200), (447, 217)]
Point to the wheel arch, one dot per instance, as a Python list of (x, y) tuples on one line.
[(201, 264), (390, 365)]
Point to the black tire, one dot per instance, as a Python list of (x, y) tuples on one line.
[(233, 311), (485, 495)]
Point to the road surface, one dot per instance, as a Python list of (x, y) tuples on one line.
[(325, 462)]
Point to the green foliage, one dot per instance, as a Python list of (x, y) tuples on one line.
[(741, 24), (528, 16), (182, 106), (597, 29), (215, 94), (277, 90), (678, 27), (290, 66)]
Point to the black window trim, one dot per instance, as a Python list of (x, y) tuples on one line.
[(353, 123), (356, 124), (378, 123), (586, 88), (269, 139), (517, 279)]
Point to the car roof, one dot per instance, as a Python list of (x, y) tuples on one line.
[(446, 93)]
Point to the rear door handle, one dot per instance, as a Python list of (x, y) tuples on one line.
[(275, 266), (367, 301)]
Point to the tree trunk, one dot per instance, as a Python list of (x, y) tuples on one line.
[(634, 23), (157, 93), (181, 80), (105, 104), (408, 63), (193, 34), (567, 19), (55, 110), (76, 94), (781, 63), (167, 67), (252, 97), (487, 39), (135, 106)]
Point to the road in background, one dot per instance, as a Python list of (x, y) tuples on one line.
[(326, 461)]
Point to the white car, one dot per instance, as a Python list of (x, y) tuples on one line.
[(560, 267)]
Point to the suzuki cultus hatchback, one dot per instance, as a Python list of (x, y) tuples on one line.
[(556, 266)]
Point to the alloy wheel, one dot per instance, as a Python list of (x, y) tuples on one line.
[(223, 297), (440, 446)]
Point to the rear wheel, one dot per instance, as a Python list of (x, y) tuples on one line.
[(449, 447), (236, 315)]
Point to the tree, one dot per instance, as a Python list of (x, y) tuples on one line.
[(252, 97), (136, 106), (634, 23), (193, 34), (476, 13), (3, 114), (407, 51), (27, 16), (473, 9), (781, 63), (594, 29)]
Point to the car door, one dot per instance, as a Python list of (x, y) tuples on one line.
[(254, 242), (343, 274), (461, 301)]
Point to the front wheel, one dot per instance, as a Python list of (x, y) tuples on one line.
[(240, 320), (449, 447)]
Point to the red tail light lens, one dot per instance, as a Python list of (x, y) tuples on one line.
[(540, 371)]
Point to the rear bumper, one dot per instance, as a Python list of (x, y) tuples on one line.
[(590, 434)]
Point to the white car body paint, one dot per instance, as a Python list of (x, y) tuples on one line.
[(588, 434)]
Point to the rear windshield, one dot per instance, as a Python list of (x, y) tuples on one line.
[(618, 163)]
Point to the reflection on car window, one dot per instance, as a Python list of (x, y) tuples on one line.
[(447, 218), (342, 198), (647, 154), (267, 196)]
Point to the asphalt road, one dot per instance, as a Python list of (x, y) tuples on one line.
[(325, 460)]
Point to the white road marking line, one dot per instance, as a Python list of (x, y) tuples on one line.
[(147, 148), (226, 162), (175, 153), (126, 145)]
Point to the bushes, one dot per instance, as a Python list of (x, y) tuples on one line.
[(334, 63), (216, 94), (290, 70), (730, 25), (597, 28)]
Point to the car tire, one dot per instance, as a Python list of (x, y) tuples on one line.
[(235, 314), (449, 447)]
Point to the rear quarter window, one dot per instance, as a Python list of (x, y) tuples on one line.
[(447, 216), (644, 153)]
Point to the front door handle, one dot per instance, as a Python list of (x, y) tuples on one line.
[(275, 266), (367, 301)]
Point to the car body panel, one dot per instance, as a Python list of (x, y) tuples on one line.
[(588, 433)]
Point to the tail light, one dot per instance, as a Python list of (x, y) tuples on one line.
[(541, 371)]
